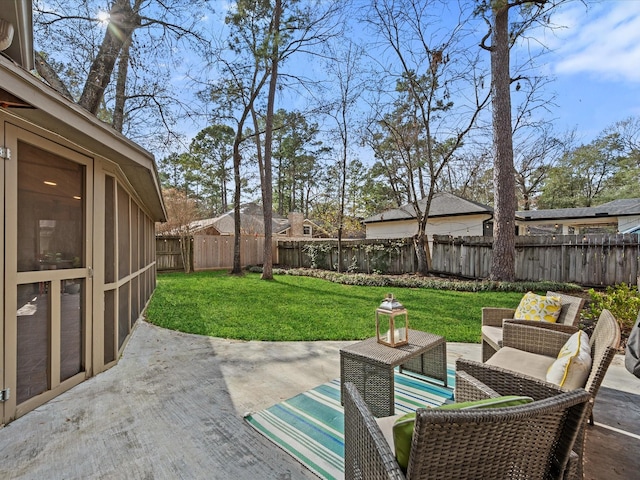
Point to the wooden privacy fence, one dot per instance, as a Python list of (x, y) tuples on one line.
[(394, 256), (589, 260), (209, 252), (215, 251), (168, 255)]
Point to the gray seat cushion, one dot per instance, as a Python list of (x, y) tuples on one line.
[(493, 335), (386, 426), (523, 362)]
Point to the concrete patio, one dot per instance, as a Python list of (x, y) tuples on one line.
[(173, 407)]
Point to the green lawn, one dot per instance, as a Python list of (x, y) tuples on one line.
[(302, 308)]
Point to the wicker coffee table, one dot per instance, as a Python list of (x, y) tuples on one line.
[(369, 365)]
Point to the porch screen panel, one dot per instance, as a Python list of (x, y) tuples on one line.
[(135, 307), (145, 289), (124, 239), (34, 338), (134, 237), (109, 326), (51, 232), (71, 328), (151, 245), (123, 314), (109, 231), (51, 202), (142, 239)]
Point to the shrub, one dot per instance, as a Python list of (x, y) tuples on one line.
[(436, 283), (623, 301)]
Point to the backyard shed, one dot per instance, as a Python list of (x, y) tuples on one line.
[(79, 206)]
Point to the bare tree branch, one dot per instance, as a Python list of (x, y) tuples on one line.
[(49, 74)]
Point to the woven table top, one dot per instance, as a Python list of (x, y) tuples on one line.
[(374, 352)]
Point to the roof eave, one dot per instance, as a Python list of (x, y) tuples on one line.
[(446, 215), (57, 114), (20, 14)]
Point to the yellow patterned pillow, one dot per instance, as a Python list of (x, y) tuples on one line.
[(538, 307), (573, 365)]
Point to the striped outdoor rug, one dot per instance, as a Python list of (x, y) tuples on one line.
[(310, 426)]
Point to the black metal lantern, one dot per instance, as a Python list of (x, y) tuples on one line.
[(392, 335)]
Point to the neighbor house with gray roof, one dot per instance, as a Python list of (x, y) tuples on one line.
[(620, 216), (252, 223), (449, 215)]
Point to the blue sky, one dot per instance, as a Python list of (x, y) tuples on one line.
[(593, 62), (596, 64)]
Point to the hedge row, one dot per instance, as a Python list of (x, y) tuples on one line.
[(415, 281)]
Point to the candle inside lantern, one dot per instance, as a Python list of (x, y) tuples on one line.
[(386, 314)]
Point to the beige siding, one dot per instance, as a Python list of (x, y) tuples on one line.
[(625, 223), (454, 226)]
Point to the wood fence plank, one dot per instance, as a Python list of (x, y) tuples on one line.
[(589, 260)]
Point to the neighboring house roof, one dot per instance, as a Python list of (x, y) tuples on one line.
[(615, 208), (251, 221), (206, 224), (443, 204)]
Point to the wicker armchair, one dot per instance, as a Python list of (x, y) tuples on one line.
[(529, 350), (492, 320), (532, 441)]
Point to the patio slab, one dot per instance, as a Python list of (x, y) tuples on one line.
[(173, 408)]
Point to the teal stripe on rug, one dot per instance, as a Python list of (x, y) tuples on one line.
[(310, 426)]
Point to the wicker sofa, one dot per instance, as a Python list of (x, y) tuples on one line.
[(492, 320), (515, 442)]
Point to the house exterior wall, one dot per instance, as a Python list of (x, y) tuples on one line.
[(114, 272), (625, 223), (565, 225), (456, 226)]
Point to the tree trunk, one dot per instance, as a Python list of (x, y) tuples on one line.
[(121, 86), (339, 264), (237, 267), (122, 24), (421, 245), (503, 263), (185, 250), (420, 239), (237, 158), (343, 180), (267, 266), (223, 187)]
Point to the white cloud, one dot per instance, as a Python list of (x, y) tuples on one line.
[(603, 41)]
